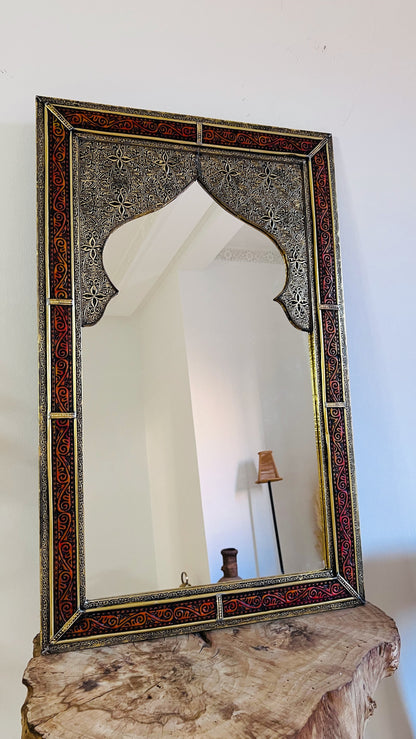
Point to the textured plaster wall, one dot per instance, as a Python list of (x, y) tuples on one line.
[(345, 67)]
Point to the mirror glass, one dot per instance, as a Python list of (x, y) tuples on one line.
[(192, 370)]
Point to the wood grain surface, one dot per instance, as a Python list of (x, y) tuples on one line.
[(307, 677)]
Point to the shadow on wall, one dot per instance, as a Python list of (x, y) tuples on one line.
[(391, 585)]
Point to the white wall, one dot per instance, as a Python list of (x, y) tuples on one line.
[(345, 67)]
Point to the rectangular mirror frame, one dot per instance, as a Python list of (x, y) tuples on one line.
[(68, 619)]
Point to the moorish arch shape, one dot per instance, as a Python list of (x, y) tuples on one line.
[(268, 195)]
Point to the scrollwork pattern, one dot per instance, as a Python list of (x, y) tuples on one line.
[(324, 228), (221, 136), (342, 496), (284, 597), (59, 211), (144, 617), (64, 521), (61, 359), (95, 120), (334, 386)]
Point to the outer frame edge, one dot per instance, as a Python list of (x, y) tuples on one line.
[(345, 375), (356, 599), (106, 641), (83, 105), (41, 154)]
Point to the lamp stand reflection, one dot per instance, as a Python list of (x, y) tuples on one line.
[(268, 473)]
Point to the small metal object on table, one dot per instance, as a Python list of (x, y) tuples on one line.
[(308, 676)]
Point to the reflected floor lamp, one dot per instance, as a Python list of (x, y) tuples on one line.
[(268, 473)]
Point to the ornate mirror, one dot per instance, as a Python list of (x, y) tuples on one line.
[(191, 316)]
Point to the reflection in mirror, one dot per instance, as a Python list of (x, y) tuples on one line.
[(193, 369)]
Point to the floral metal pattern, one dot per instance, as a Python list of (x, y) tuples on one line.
[(116, 183), (268, 195)]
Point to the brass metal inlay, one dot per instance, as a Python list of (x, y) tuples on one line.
[(277, 582), (319, 453), (338, 288), (344, 375), (56, 416), (74, 372), (48, 378), (194, 121), (199, 626), (322, 368), (310, 606), (318, 147), (127, 113), (60, 117), (353, 511), (220, 609), (198, 145), (270, 130), (60, 301), (249, 150), (67, 625), (347, 586), (145, 602)]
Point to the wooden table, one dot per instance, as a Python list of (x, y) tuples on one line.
[(310, 676)]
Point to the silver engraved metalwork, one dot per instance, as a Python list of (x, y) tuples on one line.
[(120, 182), (244, 185)]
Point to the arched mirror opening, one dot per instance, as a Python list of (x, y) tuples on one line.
[(190, 372)]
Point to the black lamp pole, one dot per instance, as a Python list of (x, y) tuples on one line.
[(279, 551), (268, 473)]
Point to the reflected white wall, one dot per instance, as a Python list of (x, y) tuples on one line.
[(251, 389), (143, 516), (170, 441), (120, 556)]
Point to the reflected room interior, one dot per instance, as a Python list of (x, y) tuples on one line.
[(192, 370)]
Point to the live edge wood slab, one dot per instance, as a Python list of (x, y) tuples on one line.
[(306, 677)]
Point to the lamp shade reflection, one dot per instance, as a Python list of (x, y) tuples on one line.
[(267, 468), (268, 473)]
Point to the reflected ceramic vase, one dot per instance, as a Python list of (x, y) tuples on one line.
[(229, 565)]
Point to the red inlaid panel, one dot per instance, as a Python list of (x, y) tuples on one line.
[(324, 228), (246, 139), (64, 521), (342, 494), (95, 120), (332, 356), (59, 223), (120, 620), (61, 359), (279, 598)]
